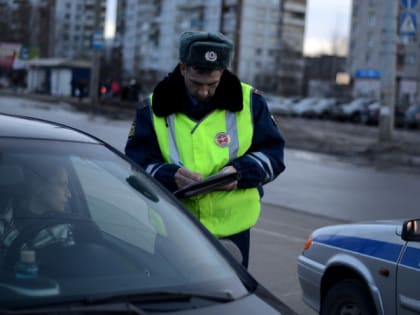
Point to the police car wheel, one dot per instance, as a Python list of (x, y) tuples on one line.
[(348, 297)]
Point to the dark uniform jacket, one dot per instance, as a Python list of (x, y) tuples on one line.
[(171, 96)]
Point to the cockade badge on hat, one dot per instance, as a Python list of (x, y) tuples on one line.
[(210, 56)]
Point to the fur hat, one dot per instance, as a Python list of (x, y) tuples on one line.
[(205, 50)]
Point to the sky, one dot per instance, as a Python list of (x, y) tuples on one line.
[(326, 20), (326, 27)]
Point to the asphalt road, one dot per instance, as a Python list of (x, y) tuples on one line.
[(323, 185), (276, 242)]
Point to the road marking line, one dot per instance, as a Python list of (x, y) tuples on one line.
[(280, 235)]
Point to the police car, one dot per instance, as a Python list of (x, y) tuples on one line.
[(362, 268)]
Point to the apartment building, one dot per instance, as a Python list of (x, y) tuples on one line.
[(26, 22), (367, 49), (268, 37), (74, 23)]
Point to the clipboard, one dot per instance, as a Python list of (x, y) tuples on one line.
[(209, 184)]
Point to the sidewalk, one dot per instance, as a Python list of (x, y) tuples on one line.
[(105, 107), (353, 142)]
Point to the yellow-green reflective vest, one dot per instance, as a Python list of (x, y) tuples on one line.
[(206, 147)]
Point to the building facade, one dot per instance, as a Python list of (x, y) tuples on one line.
[(74, 23), (26, 22), (366, 51), (268, 37), (322, 77)]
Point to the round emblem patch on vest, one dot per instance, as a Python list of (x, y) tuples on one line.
[(210, 56), (222, 139)]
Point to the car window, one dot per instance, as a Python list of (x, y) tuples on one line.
[(132, 223), (93, 224)]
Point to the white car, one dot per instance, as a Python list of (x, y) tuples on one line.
[(362, 268), (303, 105)]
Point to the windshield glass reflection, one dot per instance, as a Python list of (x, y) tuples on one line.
[(78, 221)]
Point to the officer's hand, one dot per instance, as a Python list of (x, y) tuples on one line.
[(184, 177), (230, 186)]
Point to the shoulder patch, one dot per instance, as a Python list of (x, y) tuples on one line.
[(132, 130), (273, 119), (256, 91), (143, 103)]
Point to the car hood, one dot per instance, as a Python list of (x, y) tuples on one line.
[(251, 304), (380, 230)]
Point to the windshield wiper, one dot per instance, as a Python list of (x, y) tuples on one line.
[(77, 308), (160, 296), (124, 302)]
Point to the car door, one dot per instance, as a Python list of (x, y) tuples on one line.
[(408, 279)]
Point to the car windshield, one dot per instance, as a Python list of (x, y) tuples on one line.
[(77, 221), (413, 109), (357, 103)]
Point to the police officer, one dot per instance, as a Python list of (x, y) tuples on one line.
[(202, 120)]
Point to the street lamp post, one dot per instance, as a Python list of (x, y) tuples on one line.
[(386, 119), (96, 55)]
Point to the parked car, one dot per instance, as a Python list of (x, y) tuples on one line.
[(285, 107), (276, 104), (83, 229), (4, 82), (303, 105), (281, 105), (321, 109), (370, 115), (412, 117), (352, 111), (366, 268)]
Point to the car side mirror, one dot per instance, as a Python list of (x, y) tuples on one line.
[(411, 230)]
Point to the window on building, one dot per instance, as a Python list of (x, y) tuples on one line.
[(400, 59), (296, 15), (410, 59), (372, 20), (274, 14), (370, 40), (355, 11), (260, 13), (408, 39)]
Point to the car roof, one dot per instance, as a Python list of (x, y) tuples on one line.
[(33, 128)]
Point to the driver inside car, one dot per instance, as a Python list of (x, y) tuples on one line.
[(46, 195)]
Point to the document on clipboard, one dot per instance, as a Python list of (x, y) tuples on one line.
[(209, 184)]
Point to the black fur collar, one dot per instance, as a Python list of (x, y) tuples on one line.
[(169, 96)]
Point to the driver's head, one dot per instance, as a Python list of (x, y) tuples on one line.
[(50, 187)]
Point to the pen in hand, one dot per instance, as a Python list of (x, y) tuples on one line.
[(184, 177)]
